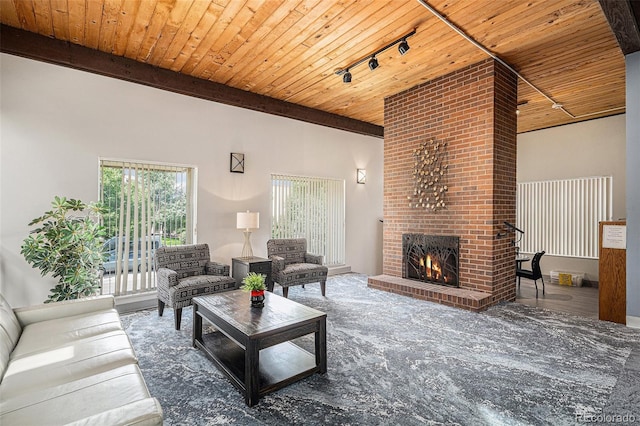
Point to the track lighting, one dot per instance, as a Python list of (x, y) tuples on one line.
[(373, 63), (403, 47), (521, 104)]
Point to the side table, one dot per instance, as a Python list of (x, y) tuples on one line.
[(241, 266)]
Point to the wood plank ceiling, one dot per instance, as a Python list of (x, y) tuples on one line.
[(289, 50)]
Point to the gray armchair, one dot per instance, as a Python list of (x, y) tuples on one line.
[(184, 272), (292, 265)]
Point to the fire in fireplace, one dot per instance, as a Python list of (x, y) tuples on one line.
[(431, 258)]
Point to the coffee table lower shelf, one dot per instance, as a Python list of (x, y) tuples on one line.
[(279, 365)]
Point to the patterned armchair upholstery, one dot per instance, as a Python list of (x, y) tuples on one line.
[(184, 272), (292, 265)]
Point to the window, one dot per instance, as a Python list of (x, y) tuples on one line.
[(561, 216), (149, 205), (311, 208)]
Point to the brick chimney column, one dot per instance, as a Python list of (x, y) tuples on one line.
[(473, 110)]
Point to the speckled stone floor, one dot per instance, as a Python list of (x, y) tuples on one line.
[(394, 360)]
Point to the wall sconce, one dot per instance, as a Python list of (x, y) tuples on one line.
[(237, 163), (403, 47), (361, 176), (247, 221)]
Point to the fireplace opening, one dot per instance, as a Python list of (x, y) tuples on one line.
[(431, 258)]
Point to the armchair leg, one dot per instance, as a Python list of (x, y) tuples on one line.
[(542, 285), (160, 307), (536, 283), (177, 313), (285, 292), (323, 287)]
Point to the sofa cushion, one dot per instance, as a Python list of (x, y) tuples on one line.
[(205, 279), (301, 273), (51, 334), (10, 331), (145, 412), (187, 288), (67, 362), (74, 400)]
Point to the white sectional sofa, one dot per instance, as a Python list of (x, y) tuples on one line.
[(70, 363)]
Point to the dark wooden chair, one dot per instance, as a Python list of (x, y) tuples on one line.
[(534, 274)]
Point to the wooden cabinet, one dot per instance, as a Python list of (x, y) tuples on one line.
[(241, 266), (612, 282)]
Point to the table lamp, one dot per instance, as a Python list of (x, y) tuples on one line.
[(247, 221)]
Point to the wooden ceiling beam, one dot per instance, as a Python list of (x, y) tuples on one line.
[(33, 46), (623, 20)]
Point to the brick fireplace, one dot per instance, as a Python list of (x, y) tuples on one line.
[(472, 111)]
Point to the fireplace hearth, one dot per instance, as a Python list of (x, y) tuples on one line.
[(431, 258)]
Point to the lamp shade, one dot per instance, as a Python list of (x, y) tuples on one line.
[(248, 220)]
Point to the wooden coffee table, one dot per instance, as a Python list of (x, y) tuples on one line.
[(253, 347)]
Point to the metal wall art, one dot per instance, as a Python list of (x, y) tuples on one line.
[(429, 175)]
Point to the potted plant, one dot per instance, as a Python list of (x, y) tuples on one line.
[(67, 243), (255, 284)]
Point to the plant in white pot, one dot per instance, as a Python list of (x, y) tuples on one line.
[(254, 283), (67, 243)]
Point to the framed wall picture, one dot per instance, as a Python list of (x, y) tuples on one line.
[(237, 163)]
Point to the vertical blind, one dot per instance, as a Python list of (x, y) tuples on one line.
[(311, 208), (561, 216), (148, 205)]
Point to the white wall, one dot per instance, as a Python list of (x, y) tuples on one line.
[(56, 122), (588, 148), (633, 189)]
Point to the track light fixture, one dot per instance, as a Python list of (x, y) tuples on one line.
[(373, 63), (403, 47)]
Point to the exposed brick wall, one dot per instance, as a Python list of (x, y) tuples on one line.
[(473, 110), (504, 180)]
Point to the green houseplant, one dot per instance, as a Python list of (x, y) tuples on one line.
[(67, 243), (254, 283)]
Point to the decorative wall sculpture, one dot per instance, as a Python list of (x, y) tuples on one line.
[(429, 174)]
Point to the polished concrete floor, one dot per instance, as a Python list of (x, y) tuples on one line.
[(582, 301)]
